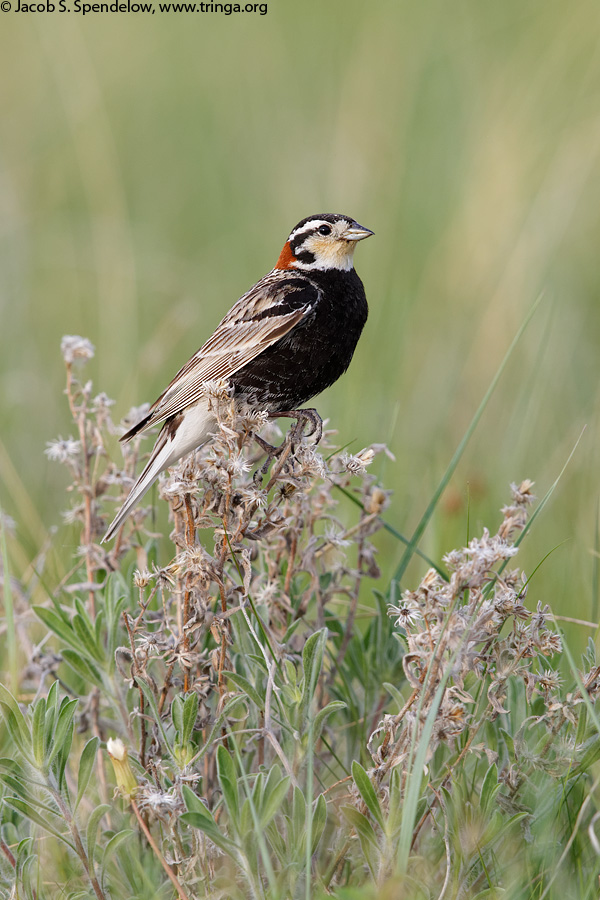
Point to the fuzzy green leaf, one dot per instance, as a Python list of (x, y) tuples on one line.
[(52, 700), (298, 814), (367, 792), (322, 717), (280, 842), (84, 667), (194, 803), (395, 803), (38, 741), (247, 688), (177, 715), (291, 630), (273, 797), (366, 836), (312, 660), (395, 693), (87, 638), (199, 816), (27, 810), (63, 733), (56, 624), (590, 755), (361, 825), (228, 782), (489, 787), (15, 720), (22, 790), (510, 744), (92, 829), (86, 764), (210, 829), (190, 711), (114, 843), (246, 822), (319, 820)]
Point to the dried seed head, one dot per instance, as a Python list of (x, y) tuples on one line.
[(357, 464), (75, 348), (522, 493), (219, 390), (102, 402), (63, 450), (141, 579), (377, 500), (406, 614)]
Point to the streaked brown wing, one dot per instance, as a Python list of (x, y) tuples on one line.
[(259, 319)]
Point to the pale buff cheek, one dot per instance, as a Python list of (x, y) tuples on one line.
[(331, 254)]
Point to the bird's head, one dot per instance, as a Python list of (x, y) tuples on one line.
[(325, 241)]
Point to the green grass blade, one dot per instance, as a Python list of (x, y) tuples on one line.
[(420, 529), (397, 534), (544, 500), (9, 613)]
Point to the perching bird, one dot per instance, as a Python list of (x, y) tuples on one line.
[(287, 339)]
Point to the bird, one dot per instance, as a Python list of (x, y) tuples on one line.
[(283, 342)]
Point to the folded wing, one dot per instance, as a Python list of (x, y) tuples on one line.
[(259, 319)]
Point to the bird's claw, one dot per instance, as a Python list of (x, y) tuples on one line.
[(292, 438)]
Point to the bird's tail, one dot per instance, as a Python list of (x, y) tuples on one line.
[(158, 461), (179, 436)]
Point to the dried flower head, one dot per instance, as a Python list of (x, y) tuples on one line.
[(76, 349), (406, 614), (454, 628), (522, 493), (63, 450)]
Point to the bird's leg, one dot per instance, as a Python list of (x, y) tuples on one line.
[(271, 451), (302, 416)]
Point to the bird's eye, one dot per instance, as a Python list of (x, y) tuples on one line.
[(325, 229)]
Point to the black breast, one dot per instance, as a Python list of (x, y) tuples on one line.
[(314, 353)]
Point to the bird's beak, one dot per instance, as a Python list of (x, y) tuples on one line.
[(356, 232)]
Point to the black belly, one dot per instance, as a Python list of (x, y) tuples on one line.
[(314, 354)]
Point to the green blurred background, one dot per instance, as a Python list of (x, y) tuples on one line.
[(152, 166)]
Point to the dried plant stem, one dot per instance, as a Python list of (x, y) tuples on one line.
[(331, 873), (95, 708), (79, 417), (166, 686), (447, 848), (337, 784), (290, 564), (447, 778), (385, 744), (281, 460), (364, 520), (223, 650), (349, 630), (130, 633), (88, 864), (573, 621), (191, 540), (169, 871)]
